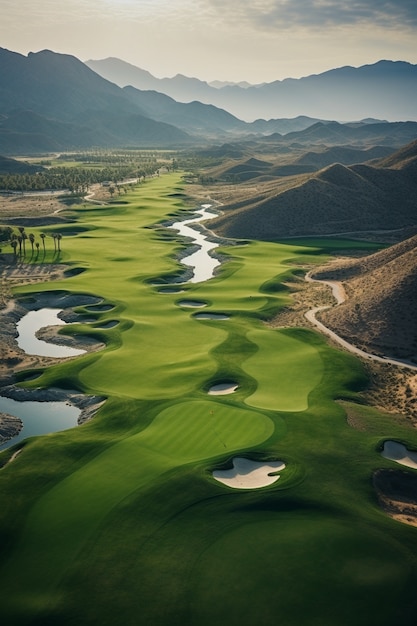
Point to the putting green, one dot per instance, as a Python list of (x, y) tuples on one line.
[(286, 371), (198, 430), (64, 519)]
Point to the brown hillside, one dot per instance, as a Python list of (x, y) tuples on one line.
[(334, 200), (401, 158), (380, 314)]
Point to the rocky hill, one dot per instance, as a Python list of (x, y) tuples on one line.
[(380, 313), (335, 200)]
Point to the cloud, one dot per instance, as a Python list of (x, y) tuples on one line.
[(281, 14)]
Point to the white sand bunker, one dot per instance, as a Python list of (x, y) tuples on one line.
[(397, 452), (211, 316), (248, 474), (222, 389)]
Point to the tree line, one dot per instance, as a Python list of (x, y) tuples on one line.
[(21, 241), (76, 180)]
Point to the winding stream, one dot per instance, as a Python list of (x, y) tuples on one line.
[(201, 262), (40, 418), (29, 325)]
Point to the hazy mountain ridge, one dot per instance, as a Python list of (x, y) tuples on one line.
[(345, 93), (192, 117), (51, 101), (380, 313)]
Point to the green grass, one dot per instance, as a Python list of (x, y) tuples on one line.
[(285, 378), (120, 520)]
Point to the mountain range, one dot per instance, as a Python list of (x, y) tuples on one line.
[(53, 102), (386, 90), (337, 199)]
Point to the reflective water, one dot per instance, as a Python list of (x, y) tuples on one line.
[(202, 263), (33, 321), (39, 418)]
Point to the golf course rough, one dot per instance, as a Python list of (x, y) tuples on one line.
[(121, 521)]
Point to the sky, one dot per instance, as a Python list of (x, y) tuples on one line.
[(229, 40)]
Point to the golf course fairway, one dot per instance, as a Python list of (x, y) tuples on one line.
[(120, 520)]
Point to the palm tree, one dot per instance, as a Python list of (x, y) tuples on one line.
[(42, 236), (13, 243), (58, 239), (23, 237), (32, 240)]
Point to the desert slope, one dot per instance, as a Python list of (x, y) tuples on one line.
[(335, 200), (380, 313)]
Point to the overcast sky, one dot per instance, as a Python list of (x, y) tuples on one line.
[(236, 40)]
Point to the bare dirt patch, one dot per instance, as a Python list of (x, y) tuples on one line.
[(393, 390), (10, 426), (29, 206), (397, 494), (14, 273)]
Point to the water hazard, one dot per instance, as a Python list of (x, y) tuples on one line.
[(201, 261), (39, 418), (29, 325)]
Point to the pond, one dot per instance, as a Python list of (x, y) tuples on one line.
[(39, 418), (29, 325)]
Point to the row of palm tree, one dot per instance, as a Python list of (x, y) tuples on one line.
[(18, 241)]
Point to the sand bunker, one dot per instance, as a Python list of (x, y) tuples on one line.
[(222, 389), (397, 452), (192, 303), (248, 474), (211, 316), (109, 324), (171, 290)]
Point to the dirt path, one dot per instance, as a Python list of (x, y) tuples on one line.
[(340, 296)]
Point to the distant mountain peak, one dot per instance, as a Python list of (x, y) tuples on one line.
[(345, 93)]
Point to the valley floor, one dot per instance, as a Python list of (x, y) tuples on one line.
[(122, 517)]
